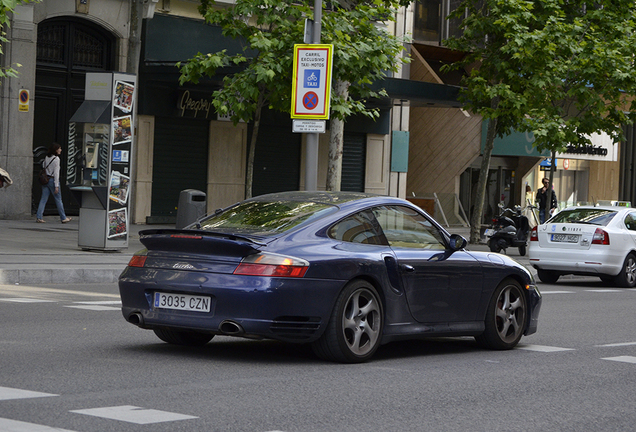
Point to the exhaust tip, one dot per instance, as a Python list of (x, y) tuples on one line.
[(136, 318), (231, 328)]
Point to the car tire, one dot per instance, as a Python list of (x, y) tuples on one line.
[(183, 337), (522, 250), (627, 277), (505, 318), (548, 276), (354, 331)]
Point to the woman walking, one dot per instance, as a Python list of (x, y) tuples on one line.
[(52, 165)]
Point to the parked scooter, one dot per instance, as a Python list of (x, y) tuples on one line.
[(509, 229)]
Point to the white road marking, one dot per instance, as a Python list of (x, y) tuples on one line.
[(7, 425), (107, 302), (93, 307), (543, 348), (621, 344), (7, 393), (133, 414), (27, 300), (603, 290), (624, 359), (557, 292)]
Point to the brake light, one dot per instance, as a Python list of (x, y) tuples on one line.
[(266, 264), (137, 261), (601, 237), (534, 236)]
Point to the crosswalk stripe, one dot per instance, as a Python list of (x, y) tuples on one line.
[(7, 425), (621, 344), (133, 414), (543, 348), (7, 393), (624, 359), (93, 307), (27, 300)]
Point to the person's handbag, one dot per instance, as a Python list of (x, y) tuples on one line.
[(43, 177)]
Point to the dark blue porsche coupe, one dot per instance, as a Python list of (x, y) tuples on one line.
[(345, 272)]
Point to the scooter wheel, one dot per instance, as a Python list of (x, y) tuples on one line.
[(522, 250), (494, 247)]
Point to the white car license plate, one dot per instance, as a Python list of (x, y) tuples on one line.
[(565, 238), (489, 232), (182, 302)]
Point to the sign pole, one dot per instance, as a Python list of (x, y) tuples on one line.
[(313, 139)]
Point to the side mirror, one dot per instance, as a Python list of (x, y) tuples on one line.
[(457, 242)]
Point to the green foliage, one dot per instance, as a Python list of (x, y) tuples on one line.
[(561, 69), (7, 7), (363, 52)]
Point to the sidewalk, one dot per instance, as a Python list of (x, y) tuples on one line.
[(33, 253), (48, 253)]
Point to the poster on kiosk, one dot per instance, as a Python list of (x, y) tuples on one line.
[(99, 160)]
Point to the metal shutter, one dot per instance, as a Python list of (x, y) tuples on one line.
[(354, 154), (277, 160), (180, 162)]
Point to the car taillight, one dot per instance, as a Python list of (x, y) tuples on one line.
[(137, 261), (267, 264), (601, 237), (534, 236)]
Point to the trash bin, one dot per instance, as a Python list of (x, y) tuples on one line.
[(192, 205)]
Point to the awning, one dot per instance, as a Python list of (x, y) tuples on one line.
[(92, 111)]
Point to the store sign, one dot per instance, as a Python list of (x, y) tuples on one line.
[(194, 105), (522, 144)]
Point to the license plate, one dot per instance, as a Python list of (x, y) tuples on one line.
[(565, 238), (489, 232), (182, 302)]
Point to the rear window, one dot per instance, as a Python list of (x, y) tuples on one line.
[(584, 215), (266, 218)]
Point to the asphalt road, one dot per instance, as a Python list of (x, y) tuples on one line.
[(69, 361)]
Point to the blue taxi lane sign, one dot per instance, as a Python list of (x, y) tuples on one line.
[(311, 82)]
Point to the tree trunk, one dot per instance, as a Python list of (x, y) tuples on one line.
[(475, 222), (249, 175), (336, 139)]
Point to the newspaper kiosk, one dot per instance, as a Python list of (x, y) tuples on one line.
[(99, 160)]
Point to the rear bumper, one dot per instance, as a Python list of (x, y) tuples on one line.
[(590, 262), (292, 310)]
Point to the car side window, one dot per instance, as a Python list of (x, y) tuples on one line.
[(630, 221), (358, 228), (405, 227)]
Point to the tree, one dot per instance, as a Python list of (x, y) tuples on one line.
[(269, 29), (6, 9), (562, 70)]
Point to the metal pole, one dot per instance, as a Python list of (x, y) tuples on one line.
[(313, 139)]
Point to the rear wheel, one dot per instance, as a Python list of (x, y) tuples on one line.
[(522, 250), (505, 318), (627, 277), (548, 276), (183, 337), (354, 330)]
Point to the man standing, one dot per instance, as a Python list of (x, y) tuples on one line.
[(546, 199)]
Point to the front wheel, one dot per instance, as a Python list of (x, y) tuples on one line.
[(505, 317), (183, 337), (627, 277), (354, 330)]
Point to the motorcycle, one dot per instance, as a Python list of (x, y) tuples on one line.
[(509, 229)]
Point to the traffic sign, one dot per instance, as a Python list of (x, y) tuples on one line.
[(311, 86), (23, 100)]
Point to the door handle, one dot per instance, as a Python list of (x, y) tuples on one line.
[(407, 268)]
